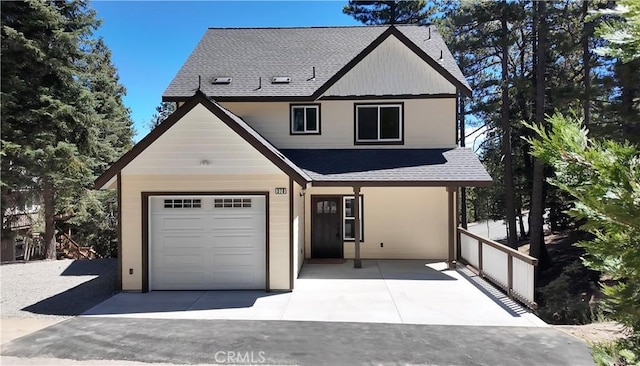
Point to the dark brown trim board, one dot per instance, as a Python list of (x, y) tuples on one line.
[(145, 241), (145, 226), (119, 192), (249, 98), (310, 98), (457, 137), (199, 98), (319, 121), (355, 124), (291, 264), (450, 221), (387, 97)]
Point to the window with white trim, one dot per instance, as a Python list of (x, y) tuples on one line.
[(305, 119), (378, 123), (349, 219)]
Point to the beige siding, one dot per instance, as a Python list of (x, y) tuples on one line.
[(391, 69), (428, 123), (200, 136), (298, 229), (134, 185), (410, 222)]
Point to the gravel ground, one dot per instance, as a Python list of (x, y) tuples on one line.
[(60, 288)]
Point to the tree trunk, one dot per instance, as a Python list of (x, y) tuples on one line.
[(506, 137), (537, 247), (7, 243), (463, 190), (521, 223), (392, 8), (49, 220), (586, 60)]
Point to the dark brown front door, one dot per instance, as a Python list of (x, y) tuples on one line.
[(326, 228)]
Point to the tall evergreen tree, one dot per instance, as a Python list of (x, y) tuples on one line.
[(390, 11), (61, 123), (510, 194), (537, 243)]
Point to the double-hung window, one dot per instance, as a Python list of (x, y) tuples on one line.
[(305, 119), (379, 123), (349, 219)]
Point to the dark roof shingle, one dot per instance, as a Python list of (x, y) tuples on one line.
[(455, 166), (247, 54)]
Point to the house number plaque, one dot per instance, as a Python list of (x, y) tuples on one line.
[(281, 190)]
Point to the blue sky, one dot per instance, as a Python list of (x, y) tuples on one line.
[(150, 40)]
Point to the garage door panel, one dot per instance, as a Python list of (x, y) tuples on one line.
[(186, 223), (235, 260), (238, 222), (181, 242), (175, 279), (208, 247), (237, 279), (247, 242), (173, 259)]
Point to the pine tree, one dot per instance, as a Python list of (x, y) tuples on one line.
[(163, 111), (59, 120), (390, 12)]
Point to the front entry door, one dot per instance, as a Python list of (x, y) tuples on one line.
[(326, 228)]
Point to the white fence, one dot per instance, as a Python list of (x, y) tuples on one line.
[(511, 270)]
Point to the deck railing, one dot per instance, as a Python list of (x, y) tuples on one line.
[(507, 268)]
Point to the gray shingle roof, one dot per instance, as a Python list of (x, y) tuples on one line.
[(456, 166), (246, 54)]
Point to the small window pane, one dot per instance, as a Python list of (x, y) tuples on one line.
[(298, 119), (327, 208), (319, 208), (348, 207), (390, 123), (334, 207), (349, 229), (312, 123), (367, 123)]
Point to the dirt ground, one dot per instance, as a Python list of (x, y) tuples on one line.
[(595, 332), (561, 247)]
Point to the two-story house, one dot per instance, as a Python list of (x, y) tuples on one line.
[(277, 131)]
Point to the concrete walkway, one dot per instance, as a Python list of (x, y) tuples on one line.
[(384, 291), (293, 343)]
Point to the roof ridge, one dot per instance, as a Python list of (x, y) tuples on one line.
[(326, 26)]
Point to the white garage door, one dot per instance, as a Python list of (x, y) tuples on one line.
[(207, 242)]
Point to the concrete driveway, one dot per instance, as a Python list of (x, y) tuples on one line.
[(383, 291)]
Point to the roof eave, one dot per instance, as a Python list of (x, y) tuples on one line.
[(401, 183)]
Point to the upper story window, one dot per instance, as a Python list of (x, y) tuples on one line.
[(305, 119), (379, 123)]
